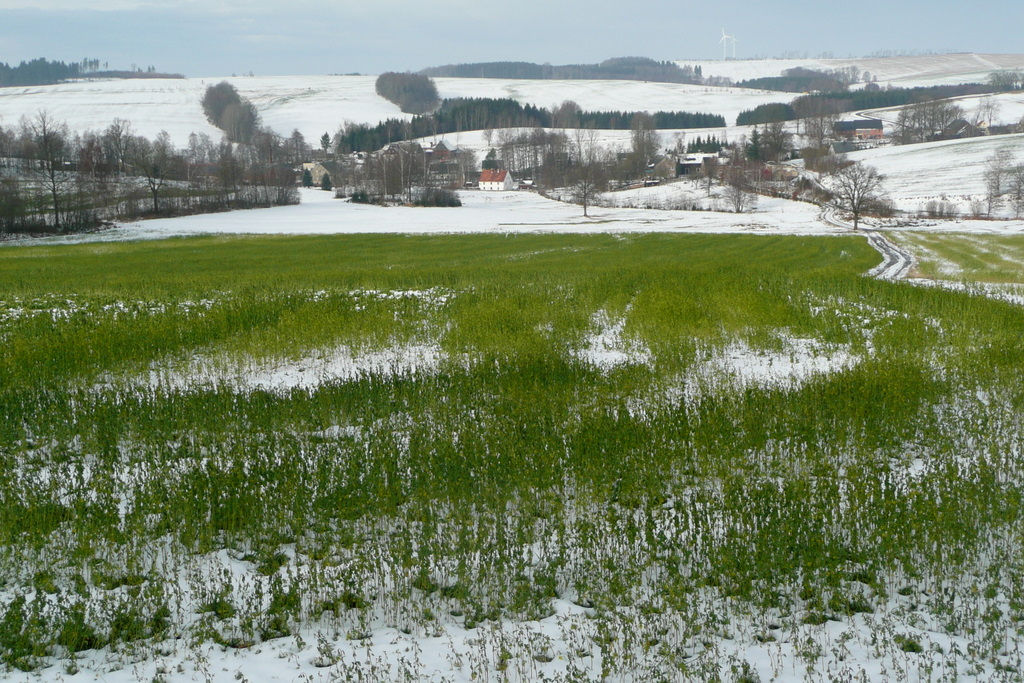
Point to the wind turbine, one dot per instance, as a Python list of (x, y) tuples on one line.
[(725, 45), (733, 39)]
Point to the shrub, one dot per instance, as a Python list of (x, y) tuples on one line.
[(362, 197), (413, 93), (438, 197)]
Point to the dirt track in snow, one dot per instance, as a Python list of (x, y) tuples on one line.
[(896, 263)]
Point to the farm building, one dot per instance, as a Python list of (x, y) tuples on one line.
[(859, 129), (496, 181)]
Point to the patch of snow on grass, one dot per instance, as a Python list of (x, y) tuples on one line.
[(798, 361), (739, 365), (1011, 293), (342, 364), (280, 375), (607, 348)]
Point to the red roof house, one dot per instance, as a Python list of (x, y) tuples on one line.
[(496, 181)]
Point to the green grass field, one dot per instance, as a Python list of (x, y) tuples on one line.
[(975, 258), (697, 439)]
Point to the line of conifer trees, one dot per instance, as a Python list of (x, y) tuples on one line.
[(465, 114)]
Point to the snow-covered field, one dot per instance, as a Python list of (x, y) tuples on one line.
[(643, 210), (312, 104), (615, 95), (907, 72), (502, 212), (318, 104), (1009, 110), (951, 170)]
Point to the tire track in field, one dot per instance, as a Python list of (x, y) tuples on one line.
[(896, 263)]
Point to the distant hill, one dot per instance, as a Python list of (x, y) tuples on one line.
[(908, 72), (621, 68), (44, 72)]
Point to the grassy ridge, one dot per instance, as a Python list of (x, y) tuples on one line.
[(660, 489)]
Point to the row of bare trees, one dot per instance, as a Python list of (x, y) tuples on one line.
[(1004, 183), (52, 180), (399, 172)]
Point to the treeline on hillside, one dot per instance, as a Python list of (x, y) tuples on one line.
[(621, 120), (766, 113), (413, 93), (1007, 79), (801, 79), (54, 181), (38, 72), (230, 112), (830, 82), (854, 100), (620, 68), (44, 72), (465, 114)]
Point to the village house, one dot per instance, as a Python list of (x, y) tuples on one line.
[(693, 164), (492, 180), (859, 129), (962, 128), (317, 170)]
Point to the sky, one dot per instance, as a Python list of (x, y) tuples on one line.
[(201, 38)]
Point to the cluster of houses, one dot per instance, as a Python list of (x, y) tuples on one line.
[(502, 180), (443, 160), (864, 133)]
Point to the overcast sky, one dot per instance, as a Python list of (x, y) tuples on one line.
[(278, 37)]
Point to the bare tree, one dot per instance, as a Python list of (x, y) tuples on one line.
[(940, 115), (155, 161), (8, 139), (923, 121), (466, 162), (997, 170), (738, 188), (298, 150), (95, 177), (267, 145), (644, 141), (587, 175), (49, 146), (709, 173), (14, 206), (987, 111), (410, 165), (567, 115), (230, 170), (819, 118), (855, 188), (116, 140), (1016, 190)]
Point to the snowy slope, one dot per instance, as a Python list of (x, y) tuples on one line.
[(1009, 109), (615, 95), (501, 212), (318, 104), (312, 104), (150, 106), (952, 170), (922, 70)]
